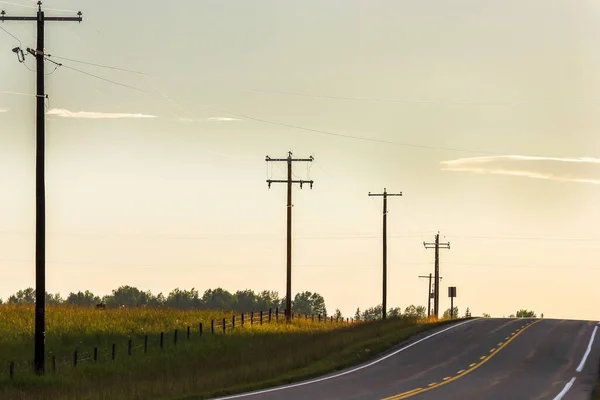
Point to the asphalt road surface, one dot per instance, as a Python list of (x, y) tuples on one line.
[(491, 359)]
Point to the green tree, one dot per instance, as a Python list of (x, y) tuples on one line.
[(447, 313), (218, 299), (526, 314), (26, 296), (338, 314), (183, 299), (357, 315), (372, 313), (53, 299), (485, 315), (127, 296), (246, 300), (468, 313), (82, 299), (395, 312), (309, 303), (268, 299)]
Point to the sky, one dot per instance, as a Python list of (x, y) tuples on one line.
[(484, 114)]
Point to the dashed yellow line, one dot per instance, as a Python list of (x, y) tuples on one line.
[(446, 378), (500, 343), (461, 373), (492, 350)]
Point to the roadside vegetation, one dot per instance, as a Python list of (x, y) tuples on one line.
[(208, 364)]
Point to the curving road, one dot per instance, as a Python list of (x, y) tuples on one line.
[(492, 359)]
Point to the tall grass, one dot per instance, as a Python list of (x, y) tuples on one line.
[(248, 358)]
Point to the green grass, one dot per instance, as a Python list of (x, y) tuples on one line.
[(204, 366)]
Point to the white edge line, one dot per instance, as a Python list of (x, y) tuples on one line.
[(326, 378), (565, 389), (587, 352)]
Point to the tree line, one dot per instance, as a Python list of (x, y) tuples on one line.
[(305, 303), (213, 299)]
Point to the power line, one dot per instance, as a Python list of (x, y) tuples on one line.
[(101, 66)]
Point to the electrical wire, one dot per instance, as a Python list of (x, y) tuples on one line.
[(10, 34), (35, 7), (101, 66)]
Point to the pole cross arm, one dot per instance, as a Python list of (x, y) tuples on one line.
[(301, 182), (311, 159), (79, 18)]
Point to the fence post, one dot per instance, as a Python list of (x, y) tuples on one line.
[(319, 317), (337, 319), (53, 364), (162, 340), (11, 370), (313, 317), (277, 314), (270, 313), (129, 343), (188, 333), (114, 351), (331, 320), (252, 318), (242, 319), (95, 354), (200, 328), (233, 322), (223, 325), (212, 326), (145, 344), (75, 358), (261, 316)]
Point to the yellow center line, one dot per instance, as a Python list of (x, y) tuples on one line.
[(508, 337), (460, 375), (472, 365), (482, 357), (500, 343), (492, 350), (409, 392), (446, 378), (462, 370)]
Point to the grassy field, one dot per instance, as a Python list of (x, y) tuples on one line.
[(205, 365)]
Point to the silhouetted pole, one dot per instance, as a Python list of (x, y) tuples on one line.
[(437, 245), (289, 181), (40, 194), (429, 293), (385, 195)]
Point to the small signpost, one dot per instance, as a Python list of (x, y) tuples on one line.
[(452, 295)]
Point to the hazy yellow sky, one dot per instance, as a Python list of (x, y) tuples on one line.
[(483, 113)]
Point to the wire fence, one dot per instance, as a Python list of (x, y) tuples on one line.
[(140, 345)]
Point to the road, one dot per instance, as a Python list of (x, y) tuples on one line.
[(492, 359)]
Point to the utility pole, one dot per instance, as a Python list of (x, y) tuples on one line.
[(40, 195), (289, 160), (429, 294), (437, 245), (385, 195)]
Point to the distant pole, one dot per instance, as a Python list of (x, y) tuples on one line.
[(429, 293), (40, 194), (289, 160), (437, 245), (385, 195)]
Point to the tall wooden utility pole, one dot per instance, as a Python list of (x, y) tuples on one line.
[(385, 195), (437, 246), (40, 195), (289, 160)]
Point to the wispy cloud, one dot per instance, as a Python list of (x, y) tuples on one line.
[(210, 119), (63, 113), (568, 169)]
